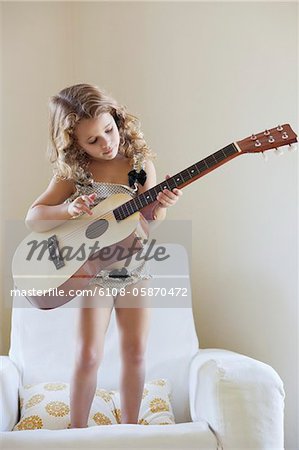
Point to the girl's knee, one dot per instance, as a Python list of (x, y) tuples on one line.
[(88, 359), (133, 352)]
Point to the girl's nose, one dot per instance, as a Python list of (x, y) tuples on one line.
[(104, 144)]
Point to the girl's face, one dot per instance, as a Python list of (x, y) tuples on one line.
[(99, 137)]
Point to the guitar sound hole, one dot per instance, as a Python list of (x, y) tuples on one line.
[(96, 229)]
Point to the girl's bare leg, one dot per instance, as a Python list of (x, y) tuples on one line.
[(133, 323), (92, 324)]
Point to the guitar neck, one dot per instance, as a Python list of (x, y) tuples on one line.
[(179, 180)]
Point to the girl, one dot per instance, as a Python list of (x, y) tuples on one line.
[(97, 149)]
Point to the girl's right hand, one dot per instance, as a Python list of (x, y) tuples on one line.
[(81, 204)]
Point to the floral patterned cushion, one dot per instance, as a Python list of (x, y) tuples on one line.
[(47, 406)]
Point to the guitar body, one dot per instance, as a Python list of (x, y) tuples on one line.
[(84, 246)]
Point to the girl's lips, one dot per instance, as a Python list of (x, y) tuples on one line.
[(108, 151)]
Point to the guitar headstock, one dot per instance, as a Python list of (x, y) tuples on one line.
[(269, 139)]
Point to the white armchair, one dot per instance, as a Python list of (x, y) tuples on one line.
[(220, 399)]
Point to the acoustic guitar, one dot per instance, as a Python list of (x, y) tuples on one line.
[(49, 267)]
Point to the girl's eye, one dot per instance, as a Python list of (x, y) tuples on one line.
[(107, 131)]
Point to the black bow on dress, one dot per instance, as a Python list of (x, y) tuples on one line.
[(139, 176)]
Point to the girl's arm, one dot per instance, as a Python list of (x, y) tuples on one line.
[(49, 211)]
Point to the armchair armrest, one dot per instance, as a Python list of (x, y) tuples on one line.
[(241, 398), (9, 394)]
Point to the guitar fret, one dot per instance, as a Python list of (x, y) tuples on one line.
[(118, 213), (209, 161), (154, 190), (133, 205), (130, 207), (136, 207), (165, 185), (126, 207), (144, 200), (148, 196), (158, 188), (178, 179), (194, 169), (123, 213), (222, 150), (185, 175), (127, 211), (138, 199), (218, 156), (137, 204), (229, 150), (201, 166)]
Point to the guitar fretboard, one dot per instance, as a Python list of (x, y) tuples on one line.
[(179, 180)]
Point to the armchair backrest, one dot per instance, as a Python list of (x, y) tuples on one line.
[(43, 341)]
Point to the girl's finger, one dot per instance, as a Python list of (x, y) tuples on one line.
[(86, 200), (165, 200), (83, 207), (178, 191), (168, 194)]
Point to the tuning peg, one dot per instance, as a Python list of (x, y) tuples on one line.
[(278, 151), (293, 146), (264, 156), (284, 135), (279, 128)]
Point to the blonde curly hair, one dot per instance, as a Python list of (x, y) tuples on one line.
[(83, 101)]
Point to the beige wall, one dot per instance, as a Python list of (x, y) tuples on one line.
[(199, 75)]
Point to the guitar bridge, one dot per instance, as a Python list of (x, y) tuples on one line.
[(54, 251)]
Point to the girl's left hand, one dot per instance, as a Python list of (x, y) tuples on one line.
[(168, 198)]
